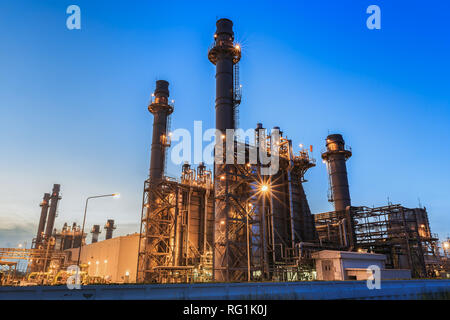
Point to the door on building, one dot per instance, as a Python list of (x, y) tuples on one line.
[(328, 270)]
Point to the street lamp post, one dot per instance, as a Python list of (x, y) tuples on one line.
[(115, 195)]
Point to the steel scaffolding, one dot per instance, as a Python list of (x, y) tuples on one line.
[(400, 233)]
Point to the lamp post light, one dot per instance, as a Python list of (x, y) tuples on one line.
[(115, 195), (106, 269), (446, 246)]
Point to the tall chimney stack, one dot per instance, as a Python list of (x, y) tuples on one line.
[(44, 211), (224, 55), (52, 213), (109, 227), (95, 232), (161, 109), (335, 157)]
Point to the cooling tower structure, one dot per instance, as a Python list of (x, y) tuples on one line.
[(335, 157)]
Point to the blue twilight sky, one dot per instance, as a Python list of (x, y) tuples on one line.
[(73, 102)]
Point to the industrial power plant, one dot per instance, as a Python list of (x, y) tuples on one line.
[(247, 219)]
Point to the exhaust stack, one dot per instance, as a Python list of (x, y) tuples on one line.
[(44, 211), (52, 213), (224, 55), (335, 157), (95, 232), (161, 109), (109, 227)]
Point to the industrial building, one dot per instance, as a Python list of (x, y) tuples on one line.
[(347, 265), (114, 259), (236, 222)]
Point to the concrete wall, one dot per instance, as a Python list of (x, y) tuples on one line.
[(390, 289), (385, 274), (115, 258)]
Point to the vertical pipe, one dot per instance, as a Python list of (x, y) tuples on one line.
[(248, 246), (52, 213), (43, 218), (262, 207), (139, 277), (336, 156), (188, 224), (272, 227), (205, 221), (176, 230), (291, 205)]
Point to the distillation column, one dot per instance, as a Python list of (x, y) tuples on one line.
[(52, 213), (224, 55), (44, 211), (335, 157)]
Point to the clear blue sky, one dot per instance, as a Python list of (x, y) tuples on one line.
[(73, 103)]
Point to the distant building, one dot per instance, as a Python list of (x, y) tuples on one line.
[(114, 259)]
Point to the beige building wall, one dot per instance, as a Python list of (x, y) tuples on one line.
[(114, 259)]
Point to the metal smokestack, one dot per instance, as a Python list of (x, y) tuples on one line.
[(335, 157), (44, 211), (95, 232), (109, 227), (224, 54), (161, 109), (52, 213)]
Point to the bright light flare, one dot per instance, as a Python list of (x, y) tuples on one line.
[(116, 195)]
